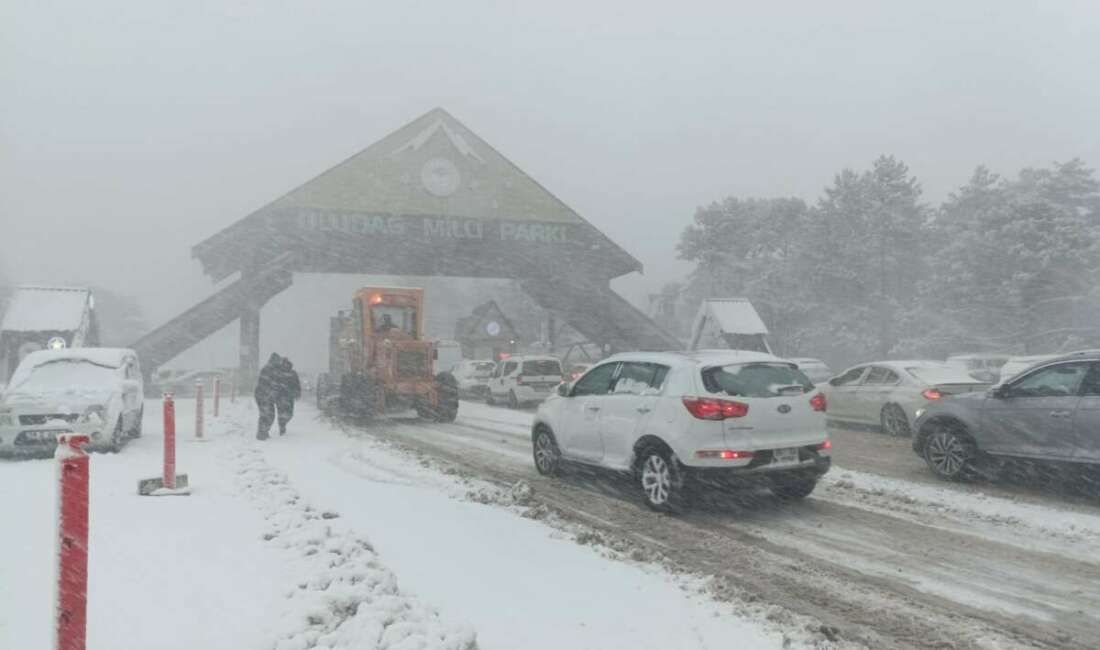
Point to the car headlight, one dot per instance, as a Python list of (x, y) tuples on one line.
[(94, 415)]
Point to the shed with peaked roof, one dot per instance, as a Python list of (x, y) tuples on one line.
[(39, 315), (486, 332), (729, 323)]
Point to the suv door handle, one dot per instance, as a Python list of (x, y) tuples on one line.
[(1060, 414), (592, 407), (643, 409)]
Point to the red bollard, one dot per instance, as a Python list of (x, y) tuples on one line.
[(198, 410), (169, 442), (72, 547), (217, 395)]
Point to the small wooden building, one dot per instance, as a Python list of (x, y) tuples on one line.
[(486, 333), (45, 317)]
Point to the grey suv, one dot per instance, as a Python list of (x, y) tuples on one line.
[(1049, 412)]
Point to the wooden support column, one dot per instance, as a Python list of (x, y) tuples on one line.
[(250, 346)]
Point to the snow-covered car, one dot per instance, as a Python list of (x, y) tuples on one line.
[(815, 369), (983, 367), (889, 393), (473, 377), (1049, 413), (524, 380), (95, 391), (674, 420)]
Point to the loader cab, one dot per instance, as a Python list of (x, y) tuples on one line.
[(391, 325), (389, 313)]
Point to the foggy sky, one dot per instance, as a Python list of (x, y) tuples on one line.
[(131, 131)]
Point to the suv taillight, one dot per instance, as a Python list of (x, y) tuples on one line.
[(931, 394), (818, 403), (706, 408)]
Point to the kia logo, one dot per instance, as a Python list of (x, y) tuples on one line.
[(784, 408)]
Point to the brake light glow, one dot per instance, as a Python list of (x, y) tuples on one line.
[(818, 403), (931, 393), (706, 408), (723, 454), (375, 298), (828, 444)]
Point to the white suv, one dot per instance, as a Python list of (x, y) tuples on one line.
[(524, 379), (674, 420)]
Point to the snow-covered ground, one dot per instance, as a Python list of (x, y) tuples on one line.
[(321, 540)]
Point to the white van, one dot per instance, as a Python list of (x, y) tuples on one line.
[(524, 380), (448, 354)]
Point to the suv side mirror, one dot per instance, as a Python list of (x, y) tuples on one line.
[(1002, 391), (563, 389)]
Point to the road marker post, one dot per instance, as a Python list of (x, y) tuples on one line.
[(199, 408), (169, 483), (71, 599), (217, 395)]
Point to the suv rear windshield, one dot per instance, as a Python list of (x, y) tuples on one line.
[(540, 368), (755, 379)]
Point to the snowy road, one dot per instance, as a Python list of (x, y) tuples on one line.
[(340, 535), (886, 561)]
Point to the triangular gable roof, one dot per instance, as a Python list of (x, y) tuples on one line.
[(474, 325), (733, 316), (432, 166), (389, 177)]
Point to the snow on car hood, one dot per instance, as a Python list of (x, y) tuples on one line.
[(73, 399)]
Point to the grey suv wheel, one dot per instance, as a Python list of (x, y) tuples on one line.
[(949, 453)]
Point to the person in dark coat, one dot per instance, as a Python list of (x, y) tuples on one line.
[(267, 390), (289, 390)]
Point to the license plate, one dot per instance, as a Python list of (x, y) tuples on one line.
[(785, 456)]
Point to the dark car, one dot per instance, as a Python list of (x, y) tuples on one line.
[(1049, 413)]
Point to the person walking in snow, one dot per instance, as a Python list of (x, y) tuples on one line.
[(289, 389), (267, 388)]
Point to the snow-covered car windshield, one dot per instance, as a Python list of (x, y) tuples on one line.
[(483, 369), (756, 380), (64, 375), (540, 368)]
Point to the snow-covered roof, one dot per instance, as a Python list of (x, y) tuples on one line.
[(37, 309), (697, 357), (733, 315)]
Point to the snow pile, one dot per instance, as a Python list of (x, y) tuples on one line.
[(349, 599)]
